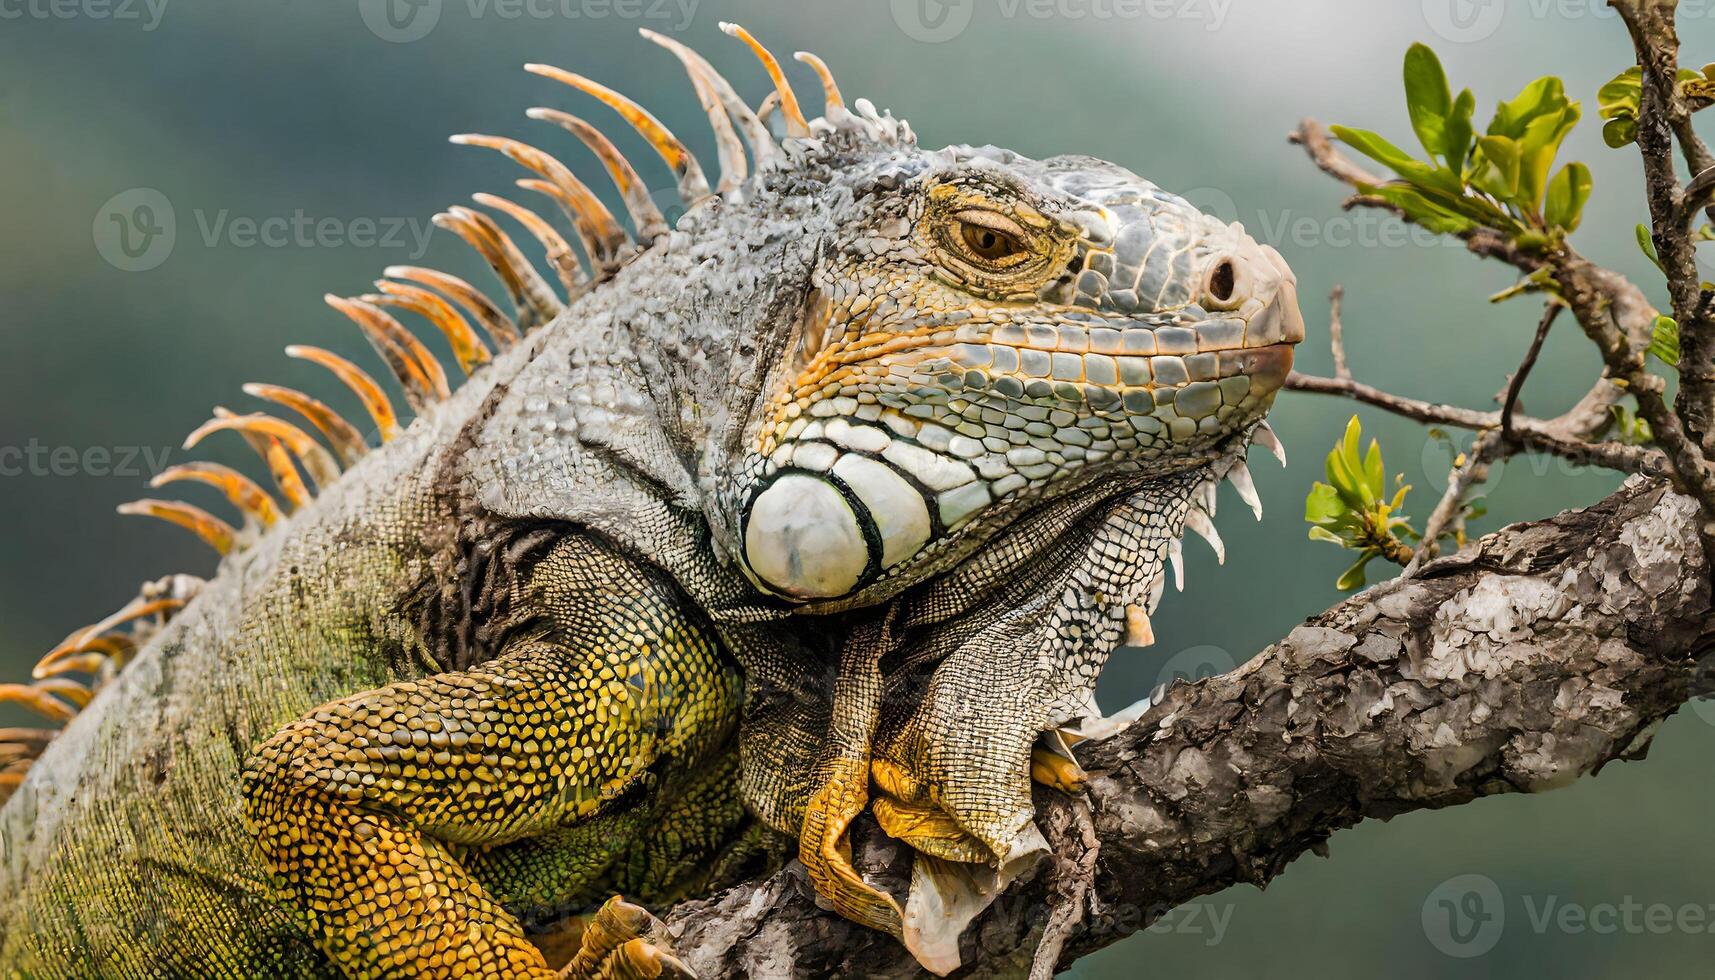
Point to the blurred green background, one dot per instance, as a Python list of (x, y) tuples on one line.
[(235, 112)]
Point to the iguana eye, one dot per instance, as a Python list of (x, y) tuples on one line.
[(991, 239)]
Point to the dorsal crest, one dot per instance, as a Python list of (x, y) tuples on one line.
[(301, 459)]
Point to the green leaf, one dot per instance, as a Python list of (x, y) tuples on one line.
[(1541, 142), (1646, 244), (1377, 148), (1622, 95), (1459, 131), (1347, 480), (1323, 505), (1618, 102), (1374, 146), (1664, 340), (1497, 168), (1353, 577), (1567, 193), (1375, 480), (1620, 132), (1428, 99), (1323, 534), (1421, 210), (1543, 97)]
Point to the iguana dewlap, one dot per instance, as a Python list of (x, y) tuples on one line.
[(830, 497)]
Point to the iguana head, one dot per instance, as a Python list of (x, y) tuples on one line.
[(983, 332)]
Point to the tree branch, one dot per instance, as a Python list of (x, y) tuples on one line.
[(1662, 114), (1542, 436), (1405, 697)]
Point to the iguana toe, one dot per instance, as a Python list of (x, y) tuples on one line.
[(826, 852), (1052, 764), (624, 942)]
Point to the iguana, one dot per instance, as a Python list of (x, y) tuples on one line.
[(831, 496)]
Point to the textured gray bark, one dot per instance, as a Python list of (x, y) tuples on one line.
[(1538, 655)]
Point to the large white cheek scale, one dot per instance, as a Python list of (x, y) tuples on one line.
[(805, 538)]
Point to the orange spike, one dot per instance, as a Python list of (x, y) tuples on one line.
[(88, 637), (567, 267), (468, 349), (499, 328), (78, 663), (535, 302), (830, 89), (318, 462), (346, 439), (361, 384), (693, 186), (285, 474), (23, 743), (277, 459), (601, 233), (419, 374), (722, 105), (645, 216), (12, 777), (106, 646), (37, 700), (65, 687), (249, 498), (795, 123), (218, 534)]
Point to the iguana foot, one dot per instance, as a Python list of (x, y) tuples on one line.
[(1052, 763), (624, 942)]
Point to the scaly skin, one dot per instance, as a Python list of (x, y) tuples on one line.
[(833, 498)]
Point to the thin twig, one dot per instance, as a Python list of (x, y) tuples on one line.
[(1698, 194), (1553, 437), (1336, 339), (1431, 413), (1508, 435), (1473, 470)]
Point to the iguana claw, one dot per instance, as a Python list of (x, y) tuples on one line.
[(624, 942), (826, 852)]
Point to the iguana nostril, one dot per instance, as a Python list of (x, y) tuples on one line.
[(1222, 282)]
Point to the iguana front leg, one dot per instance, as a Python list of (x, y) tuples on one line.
[(377, 812)]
